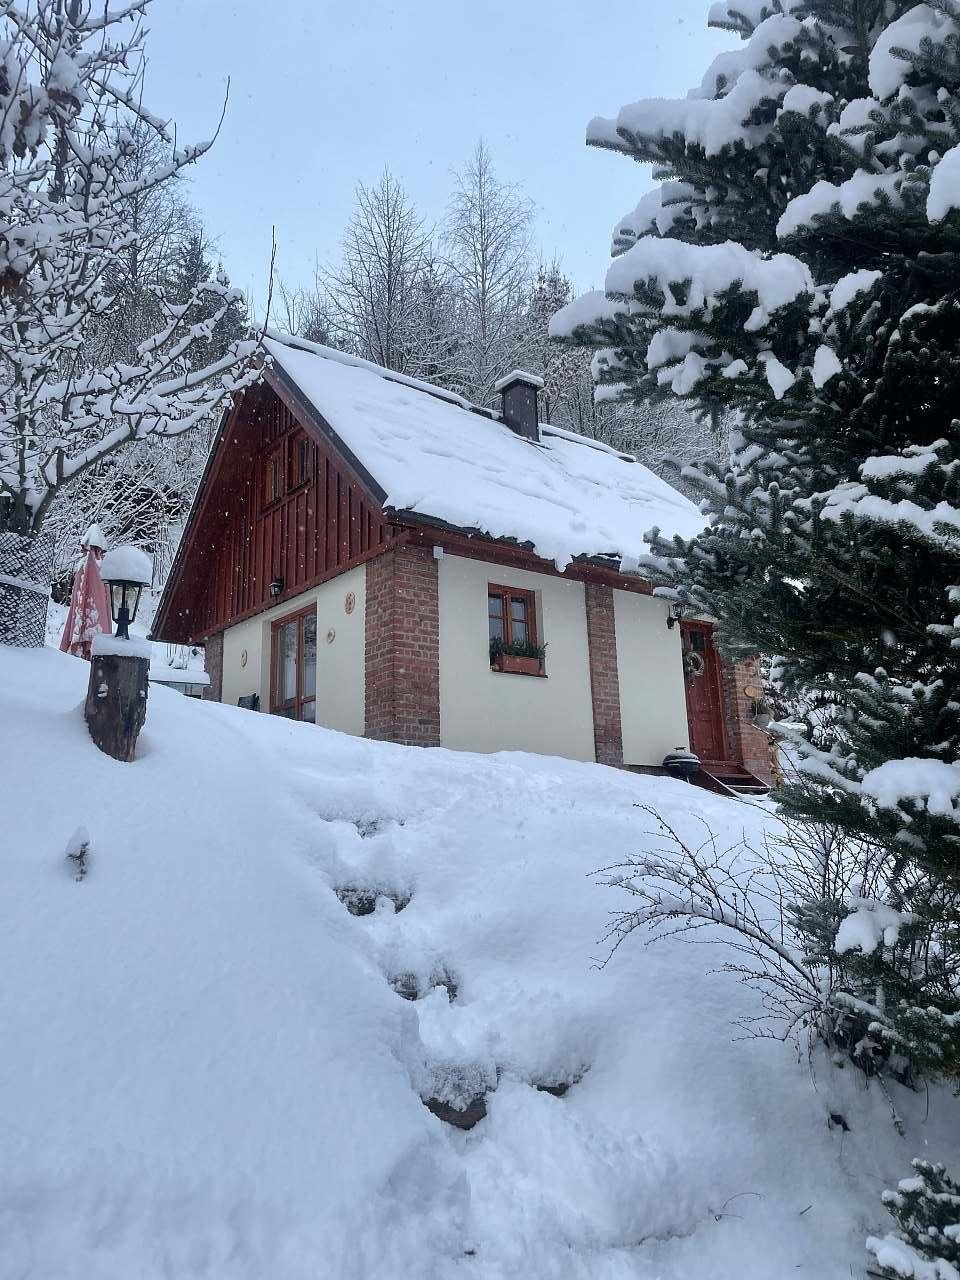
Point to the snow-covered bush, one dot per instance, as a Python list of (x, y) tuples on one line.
[(926, 1245), (806, 923)]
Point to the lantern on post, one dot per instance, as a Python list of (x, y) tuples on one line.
[(116, 704), (126, 571)]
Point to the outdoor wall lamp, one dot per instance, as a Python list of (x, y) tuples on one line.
[(276, 587)]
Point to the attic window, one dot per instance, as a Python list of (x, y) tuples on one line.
[(272, 489), (301, 459)]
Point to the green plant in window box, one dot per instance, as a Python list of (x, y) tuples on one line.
[(517, 657)]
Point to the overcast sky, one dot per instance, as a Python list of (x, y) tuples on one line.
[(326, 92)]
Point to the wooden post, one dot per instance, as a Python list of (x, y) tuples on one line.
[(116, 704)]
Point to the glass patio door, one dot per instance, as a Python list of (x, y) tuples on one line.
[(294, 659)]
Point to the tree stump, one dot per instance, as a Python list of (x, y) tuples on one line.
[(116, 704)]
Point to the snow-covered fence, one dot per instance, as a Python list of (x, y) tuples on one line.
[(26, 570)]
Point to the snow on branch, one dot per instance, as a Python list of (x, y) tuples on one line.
[(802, 920), (79, 156)]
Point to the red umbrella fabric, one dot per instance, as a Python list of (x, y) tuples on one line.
[(89, 612)]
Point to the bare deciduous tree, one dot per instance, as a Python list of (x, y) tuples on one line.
[(374, 293), (488, 253)]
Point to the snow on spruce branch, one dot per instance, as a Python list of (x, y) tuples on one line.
[(689, 292)]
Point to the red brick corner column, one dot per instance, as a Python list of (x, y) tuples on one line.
[(402, 661), (213, 665), (748, 744), (604, 676)]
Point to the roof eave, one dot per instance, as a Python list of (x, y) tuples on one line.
[(416, 519), (176, 568)]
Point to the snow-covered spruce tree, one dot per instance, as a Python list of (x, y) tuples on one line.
[(926, 1244), (71, 119), (799, 262)]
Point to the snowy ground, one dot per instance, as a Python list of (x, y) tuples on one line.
[(206, 1072)]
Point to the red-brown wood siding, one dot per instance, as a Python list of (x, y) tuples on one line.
[(238, 545)]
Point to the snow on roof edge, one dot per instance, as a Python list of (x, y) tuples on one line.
[(388, 375), (587, 441)]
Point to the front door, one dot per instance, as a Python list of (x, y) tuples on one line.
[(294, 667), (701, 675)]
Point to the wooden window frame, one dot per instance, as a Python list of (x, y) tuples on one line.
[(297, 702), (284, 454), (275, 456), (296, 481), (509, 664)]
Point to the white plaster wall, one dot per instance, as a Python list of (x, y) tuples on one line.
[(340, 661), (653, 705), (484, 710)]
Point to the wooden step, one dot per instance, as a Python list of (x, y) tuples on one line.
[(727, 778)]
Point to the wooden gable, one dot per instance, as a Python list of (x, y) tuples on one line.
[(278, 501)]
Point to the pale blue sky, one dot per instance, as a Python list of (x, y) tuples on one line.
[(326, 93)]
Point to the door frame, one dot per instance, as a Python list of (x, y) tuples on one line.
[(298, 616), (713, 674)]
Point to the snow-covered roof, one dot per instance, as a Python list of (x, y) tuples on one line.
[(161, 673), (435, 456)]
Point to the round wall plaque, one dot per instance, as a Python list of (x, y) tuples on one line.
[(243, 657), (331, 636), (350, 602)]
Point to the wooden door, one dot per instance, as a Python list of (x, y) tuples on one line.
[(701, 675)]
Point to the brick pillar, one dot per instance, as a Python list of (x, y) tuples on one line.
[(748, 744), (604, 676), (213, 665), (402, 663)]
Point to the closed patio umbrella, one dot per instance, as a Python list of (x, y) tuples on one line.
[(89, 612)]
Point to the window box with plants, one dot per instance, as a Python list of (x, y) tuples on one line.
[(517, 657)]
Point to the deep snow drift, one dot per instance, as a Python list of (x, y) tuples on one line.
[(206, 1072)]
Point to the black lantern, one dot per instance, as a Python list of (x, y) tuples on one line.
[(276, 587), (126, 571), (675, 615)]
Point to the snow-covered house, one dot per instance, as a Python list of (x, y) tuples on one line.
[(382, 557)]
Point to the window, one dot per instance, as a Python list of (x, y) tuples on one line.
[(294, 672), (273, 476), (513, 632), (513, 616), (301, 457), (286, 466)]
